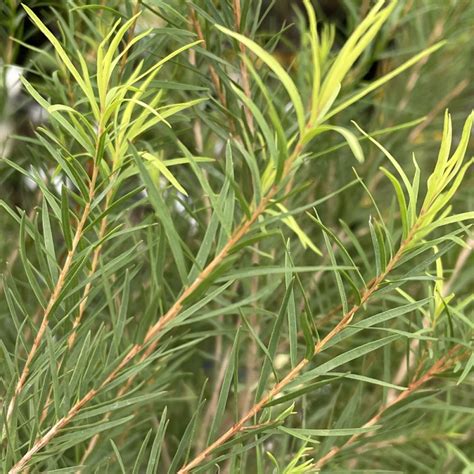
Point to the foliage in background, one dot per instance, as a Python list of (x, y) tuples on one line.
[(236, 236)]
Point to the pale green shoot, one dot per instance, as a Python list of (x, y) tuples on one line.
[(83, 84), (276, 67), (314, 41)]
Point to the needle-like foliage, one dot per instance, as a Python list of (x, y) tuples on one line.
[(233, 241)]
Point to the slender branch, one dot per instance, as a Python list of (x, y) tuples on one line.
[(408, 360), (108, 199), (277, 388), (57, 289), (150, 341), (252, 351), (61, 423), (88, 287), (415, 133), (84, 300), (441, 365), (212, 71), (239, 426), (103, 226), (102, 230), (197, 131)]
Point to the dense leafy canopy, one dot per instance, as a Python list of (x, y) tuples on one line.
[(232, 242)]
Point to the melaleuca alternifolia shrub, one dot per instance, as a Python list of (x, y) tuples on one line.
[(227, 257)]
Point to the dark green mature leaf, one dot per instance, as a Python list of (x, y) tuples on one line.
[(164, 215), (348, 356), (273, 343)]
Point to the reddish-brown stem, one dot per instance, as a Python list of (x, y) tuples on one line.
[(199, 145), (56, 293), (276, 389), (150, 339), (177, 306), (88, 287), (85, 297), (240, 425), (150, 342), (214, 76), (408, 360), (439, 366), (60, 424)]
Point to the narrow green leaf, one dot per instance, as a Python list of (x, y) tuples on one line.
[(292, 322), (64, 58), (224, 390), (27, 266), (275, 66), (348, 356), (350, 138), (384, 79), (141, 453), (118, 457), (56, 388), (155, 452), (467, 369), (49, 242), (308, 388), (273, 344), (164, 215), (298, 432), (401, 200), (376, 246), (65, 220)]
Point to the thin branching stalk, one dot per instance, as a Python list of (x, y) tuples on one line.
[(174, 283), (150, 341), (441, 365), (59, 285), (84, 299), (92, 271), (212, 71), (439, 107), (420, 223), (293, 374), (199, 146), (408, 361)]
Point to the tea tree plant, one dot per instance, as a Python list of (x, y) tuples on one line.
[(229, 262)]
